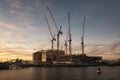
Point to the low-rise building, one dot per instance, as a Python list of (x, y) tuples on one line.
[(48, 56), (78, 59)]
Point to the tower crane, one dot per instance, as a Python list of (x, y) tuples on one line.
[(58, 37), (70, 40), (59, 32), (66, 45), (52, 36), (52, 18), (82, 38)]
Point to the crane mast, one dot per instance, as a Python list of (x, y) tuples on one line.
[(66, 44), (66, 47), (58, 37), (70, 40), (82, 38)]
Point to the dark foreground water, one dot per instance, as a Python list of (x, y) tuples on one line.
[(61, 73)]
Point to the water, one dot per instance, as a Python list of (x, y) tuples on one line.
[(61, 73)]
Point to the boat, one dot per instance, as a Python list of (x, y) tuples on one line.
[(98, 71)]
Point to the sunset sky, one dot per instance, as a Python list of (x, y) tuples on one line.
[(23, 29)]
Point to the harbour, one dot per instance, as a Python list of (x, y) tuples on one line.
[(59, 40), (56, 73)]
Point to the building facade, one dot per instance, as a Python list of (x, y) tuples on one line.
[(48, 56)]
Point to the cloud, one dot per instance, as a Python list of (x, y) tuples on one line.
[(21, 12), (14, 3), (15, 49), (8, 25), (107, 51), (115, 46), (111, 49), (101, 49), (21, 50), (16, 52), (42, 46)]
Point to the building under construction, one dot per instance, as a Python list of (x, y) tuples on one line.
[(51, 56), (48, 56), (60, 56), (80, 59)]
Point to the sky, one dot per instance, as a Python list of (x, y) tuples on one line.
[(23, 28)]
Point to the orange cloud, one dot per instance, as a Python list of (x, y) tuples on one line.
[(15, 53), (8, 25)]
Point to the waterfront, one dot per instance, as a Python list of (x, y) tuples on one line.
[(61, 73)]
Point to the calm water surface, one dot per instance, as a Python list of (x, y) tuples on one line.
[(61, 73)]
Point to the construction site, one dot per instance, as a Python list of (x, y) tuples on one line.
[(58, 56)]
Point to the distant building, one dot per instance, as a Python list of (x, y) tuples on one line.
[(37, 57), (78, 59), (48, 56), (53, 56)]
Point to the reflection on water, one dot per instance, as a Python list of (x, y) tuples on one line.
[(61, 73)]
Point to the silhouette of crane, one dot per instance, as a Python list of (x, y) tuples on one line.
[(52, 36), (82, 38), (66, 45), (69, 32), (59, 32)]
